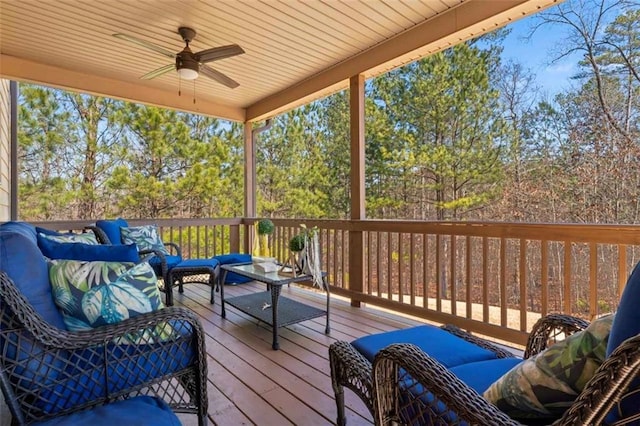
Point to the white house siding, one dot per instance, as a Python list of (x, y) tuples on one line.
[(5, 139), (5, 143)]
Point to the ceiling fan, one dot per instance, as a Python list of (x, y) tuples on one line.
[(188, 64)]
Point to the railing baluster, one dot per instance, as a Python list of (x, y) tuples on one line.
[(503, 282), (567, 277), (593, 280), (523, 284)]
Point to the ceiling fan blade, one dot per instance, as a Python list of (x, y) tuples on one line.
[(218, 76), (146, 44), (157, 72), (221, 52)]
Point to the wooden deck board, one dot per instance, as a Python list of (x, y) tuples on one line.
[(249, 383)]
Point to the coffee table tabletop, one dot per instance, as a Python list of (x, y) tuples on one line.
[(270, 307)]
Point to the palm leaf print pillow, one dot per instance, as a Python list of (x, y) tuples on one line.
[(146, 237), (99, 293)]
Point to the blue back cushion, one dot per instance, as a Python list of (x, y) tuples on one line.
[(112, 229), (23, 262), (24, 228), (448, 349), (480, 375), (79, 251), (626, 324)]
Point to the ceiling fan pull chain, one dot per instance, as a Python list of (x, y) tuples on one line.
[(194, 92), (179, 85)]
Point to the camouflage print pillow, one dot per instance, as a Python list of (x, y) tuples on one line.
[(545, 385), (145, 237)]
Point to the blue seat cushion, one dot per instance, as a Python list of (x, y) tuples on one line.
[(626, 324), (172, 260), (231, 258), (441, 345), (78, 251), (482, 374), (198, 263), (141, 411), (112, 229)]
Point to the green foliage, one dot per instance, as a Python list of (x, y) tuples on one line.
[(458, 135), (296, 243), (444, 150), (265, 227)]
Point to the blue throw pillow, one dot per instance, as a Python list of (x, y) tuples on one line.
[(112, 229), (95, 294), (78, 251), (625, 325)]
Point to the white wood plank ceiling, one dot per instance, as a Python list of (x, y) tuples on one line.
[(296, 50)]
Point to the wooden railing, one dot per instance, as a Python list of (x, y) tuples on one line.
[(495, 279), (197, 238)]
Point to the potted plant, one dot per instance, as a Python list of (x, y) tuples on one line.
[(296, 245), (264, 228)]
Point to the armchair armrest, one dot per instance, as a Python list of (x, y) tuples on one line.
[(176, 248), (552, 328), (478, 341), (101, 236), (608, 385), (410, 387), (349, 368)]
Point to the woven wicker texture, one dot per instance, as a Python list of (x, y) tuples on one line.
[(405, 381), (58, 372), (351, 370)]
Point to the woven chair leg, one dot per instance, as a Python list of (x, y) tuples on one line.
[(212, 284), (341, 419), (168, 290)]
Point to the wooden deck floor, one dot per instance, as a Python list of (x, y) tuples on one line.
[(249, 383)]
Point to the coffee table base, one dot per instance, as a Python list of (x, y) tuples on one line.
[(289, 311)]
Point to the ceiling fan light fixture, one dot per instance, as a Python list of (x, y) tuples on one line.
[(187, 73)]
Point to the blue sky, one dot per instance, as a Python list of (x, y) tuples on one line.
[(538, 52)]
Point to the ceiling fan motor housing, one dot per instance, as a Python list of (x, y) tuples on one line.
[(186, 63)]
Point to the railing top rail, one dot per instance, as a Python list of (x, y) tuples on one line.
[(80, 224)]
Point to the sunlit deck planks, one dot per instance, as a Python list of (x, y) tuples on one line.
[(249, 383)]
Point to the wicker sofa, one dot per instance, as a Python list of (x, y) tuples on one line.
[(428, 375), (50, 375)]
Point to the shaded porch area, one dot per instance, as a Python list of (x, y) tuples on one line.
[(249, 383)]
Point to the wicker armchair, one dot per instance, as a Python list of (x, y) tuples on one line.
[(171, 268), (349, 368), (161, 264), (409, 366), (47, 372)]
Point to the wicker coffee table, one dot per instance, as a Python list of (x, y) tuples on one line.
[(268, 306)]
